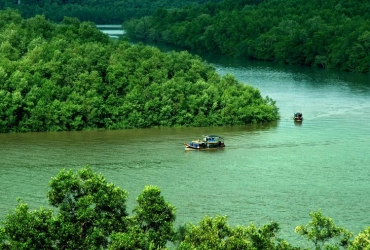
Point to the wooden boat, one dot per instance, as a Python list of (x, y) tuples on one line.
[(208, 142), (298, 117)]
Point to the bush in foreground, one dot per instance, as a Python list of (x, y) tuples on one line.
[(91, 214)]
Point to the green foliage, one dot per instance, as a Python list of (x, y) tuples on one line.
[(321, 230), (73, 77), (215, 233), (325, 34), (134, 238), (102, 11), (208, 234), (91, 214), (24, 229), (90, 209), (155, 217), (361, 241), (151, 226)]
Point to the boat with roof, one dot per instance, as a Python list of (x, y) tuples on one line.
[(208, 142), (298, 117)]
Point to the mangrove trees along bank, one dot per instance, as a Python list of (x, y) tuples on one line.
[(327, 34), (71, 76), (101, 12)]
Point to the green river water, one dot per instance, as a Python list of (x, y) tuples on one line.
[(280, 171)]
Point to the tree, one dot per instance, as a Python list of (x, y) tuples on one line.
[(155, 217), (320, 230), (24, 229), (90, 209), (91, 214), (73, 77), (210, 233), (361, 241), (216, 234), (292, 32)]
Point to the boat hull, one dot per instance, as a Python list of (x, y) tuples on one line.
[(298, 120), (190, 148), (203, 146)]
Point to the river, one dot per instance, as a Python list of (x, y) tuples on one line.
[(280, 171)]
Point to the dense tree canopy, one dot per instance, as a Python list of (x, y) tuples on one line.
[(91, 214), (71, 76), (101, 12), (327, 34)]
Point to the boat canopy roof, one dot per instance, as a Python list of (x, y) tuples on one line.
[(212, 136)]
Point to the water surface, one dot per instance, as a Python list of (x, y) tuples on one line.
[(280, 171)]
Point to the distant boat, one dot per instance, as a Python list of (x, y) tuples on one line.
[(298, 117), (208, 142)]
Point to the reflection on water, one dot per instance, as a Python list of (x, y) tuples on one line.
[(280, 171)]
